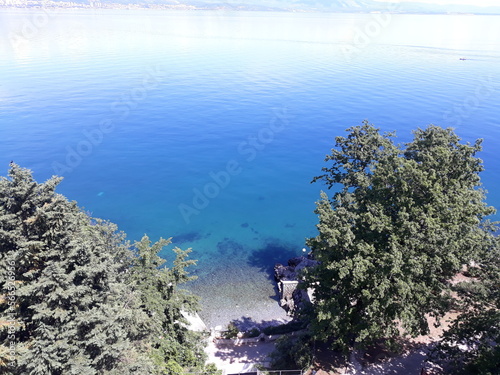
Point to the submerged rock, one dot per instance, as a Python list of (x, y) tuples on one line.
[(229, 247)]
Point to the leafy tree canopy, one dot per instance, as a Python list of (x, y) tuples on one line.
[(403, 222), (470, 345), (76, 298)]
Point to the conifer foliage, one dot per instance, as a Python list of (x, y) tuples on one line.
[(71, 308), (403, 221), (172, 345), (74, 297)]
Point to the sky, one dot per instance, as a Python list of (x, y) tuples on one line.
[(448, 2)]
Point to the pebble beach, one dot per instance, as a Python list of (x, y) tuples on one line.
[(238, 292)]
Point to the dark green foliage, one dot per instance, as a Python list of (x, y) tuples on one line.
[(289, 327), (403, 222), (254, 332), (72, 309), (471, 343), (231, 332), (75, 298), (211, 369), (173, 346), (293, 352)]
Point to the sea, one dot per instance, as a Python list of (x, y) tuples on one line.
[(208, 126)]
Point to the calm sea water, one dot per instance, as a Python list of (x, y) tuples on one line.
[(209, 126)]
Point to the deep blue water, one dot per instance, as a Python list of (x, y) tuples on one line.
[(209, 126)]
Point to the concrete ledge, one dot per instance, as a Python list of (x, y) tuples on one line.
[(241, 341)]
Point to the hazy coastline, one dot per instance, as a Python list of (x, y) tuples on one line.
[(300, 7)]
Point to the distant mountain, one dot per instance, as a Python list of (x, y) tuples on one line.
[(361, 6), (342, 6)]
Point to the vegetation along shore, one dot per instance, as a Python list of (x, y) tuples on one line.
[(404, 243)]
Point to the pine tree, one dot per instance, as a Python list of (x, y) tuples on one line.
[(72, 311), (403, 222), (173, 346)]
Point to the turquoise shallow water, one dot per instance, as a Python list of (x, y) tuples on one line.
[(209, 126)]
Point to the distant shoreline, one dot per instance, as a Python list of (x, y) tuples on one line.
[(97, 5)]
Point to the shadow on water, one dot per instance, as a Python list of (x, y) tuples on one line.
[(188, 237), (266, 257), (231, 248)]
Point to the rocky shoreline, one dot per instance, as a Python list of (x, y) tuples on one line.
[(288, 278), (249, 297)]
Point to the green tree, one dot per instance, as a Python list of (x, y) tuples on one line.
[(173, 346), (403, 221), (76, 298), (72, 311), (471, 344), (293, 352)]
